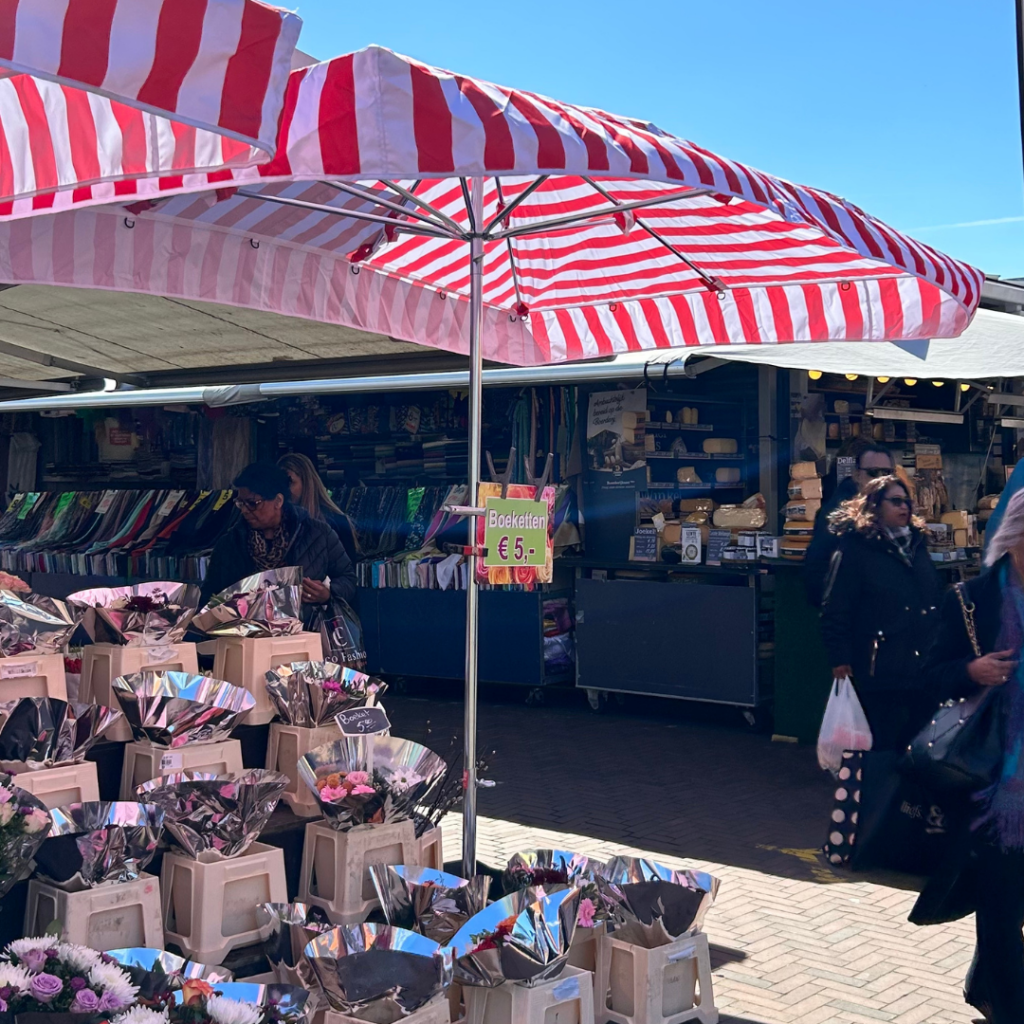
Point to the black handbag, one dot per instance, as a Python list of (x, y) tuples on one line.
[(961, 749)]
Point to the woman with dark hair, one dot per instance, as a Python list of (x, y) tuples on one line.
[(308, 491), (880, 610), (991, 881), (274, 533)]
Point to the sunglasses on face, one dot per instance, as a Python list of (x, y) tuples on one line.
[(248, 503), (898, 502), (876, 472)]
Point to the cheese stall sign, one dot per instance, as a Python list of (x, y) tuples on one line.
[(515, 531)]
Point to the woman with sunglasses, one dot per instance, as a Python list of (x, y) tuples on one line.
[(879, 613), (274, 533)]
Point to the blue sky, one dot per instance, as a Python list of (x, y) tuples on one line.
[(906, 107)]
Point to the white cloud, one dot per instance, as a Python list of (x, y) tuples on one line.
[(968, 224)]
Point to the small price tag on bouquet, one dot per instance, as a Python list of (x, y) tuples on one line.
[(363, 722)]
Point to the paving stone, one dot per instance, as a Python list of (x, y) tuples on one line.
[(792, 940)]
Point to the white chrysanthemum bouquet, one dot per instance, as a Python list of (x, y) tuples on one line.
[(45, 975)]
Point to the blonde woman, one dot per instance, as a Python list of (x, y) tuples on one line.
[(308, 492)]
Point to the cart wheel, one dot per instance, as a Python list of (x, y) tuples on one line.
[(535, 697), (758, 719), (598, 701)]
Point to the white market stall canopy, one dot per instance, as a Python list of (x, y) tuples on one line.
[(993, 346)]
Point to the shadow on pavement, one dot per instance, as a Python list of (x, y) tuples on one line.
[(679, 779)]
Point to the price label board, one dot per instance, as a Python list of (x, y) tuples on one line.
[(515, 532), (643, 545), (362, 722), (718, 541)]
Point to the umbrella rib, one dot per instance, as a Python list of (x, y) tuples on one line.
[(508, 241), (410, 194), (712, 283), (575, 219), (359, 193), (434, 231), (525, 194), (469, 205)]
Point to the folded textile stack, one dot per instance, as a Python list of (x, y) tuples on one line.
[(146, 533)]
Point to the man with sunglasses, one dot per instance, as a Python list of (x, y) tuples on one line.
[(873, 461)]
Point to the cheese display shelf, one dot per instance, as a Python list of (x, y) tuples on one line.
[(661, 459)]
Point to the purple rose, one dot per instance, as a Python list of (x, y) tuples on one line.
[(85, 1001), (45, 987), (34, 959), (6, 992), (77, 984), (110, 1002)]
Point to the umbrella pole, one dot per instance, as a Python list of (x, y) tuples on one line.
[(476, 257)]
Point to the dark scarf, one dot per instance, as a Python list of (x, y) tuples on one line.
[(1004, 800), (270, 553)]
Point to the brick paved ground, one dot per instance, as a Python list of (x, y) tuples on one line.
[(791, 942)]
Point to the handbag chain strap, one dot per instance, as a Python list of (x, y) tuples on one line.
[(968, 610)]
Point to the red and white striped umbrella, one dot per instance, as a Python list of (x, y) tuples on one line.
[(98, 91), (451, 212), (598, 233)]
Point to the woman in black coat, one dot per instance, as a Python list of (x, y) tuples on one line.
[(880, 610), (987, 874), (275, 533)]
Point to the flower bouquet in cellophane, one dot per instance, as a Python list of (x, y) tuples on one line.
[(654, 905), (24, 823), (522, 938), (142, 615), (370, 780), (310, 693), (377, 973), (45, 976)]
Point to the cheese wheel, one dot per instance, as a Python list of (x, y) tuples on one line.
[(802, 508), (736, 517), (721, 446), (805, 488), (803, 470), (727, 475)]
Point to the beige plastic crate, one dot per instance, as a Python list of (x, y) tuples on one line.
[(66, 784), (104, 917), (145, 760), (435, 1012), (334, 873), (245, 662), (209, 908), (583, 950), (103, 663), (431, 850), (285, 745), (666, 985), (32, 675), (567, 999)]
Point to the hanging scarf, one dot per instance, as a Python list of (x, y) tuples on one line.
[(269, 553), (1004, 800)]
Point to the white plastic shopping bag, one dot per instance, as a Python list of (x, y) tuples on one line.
[(844, 727)]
